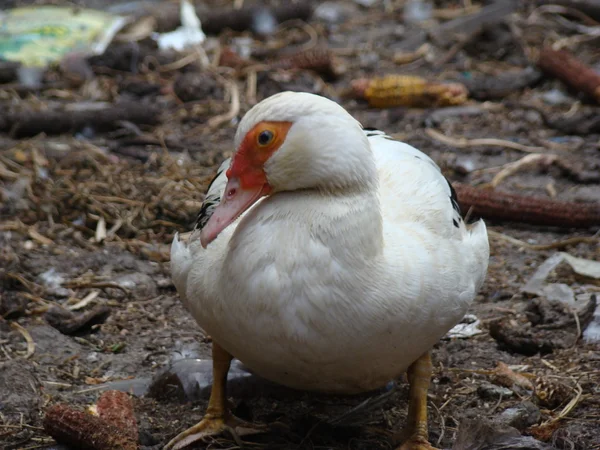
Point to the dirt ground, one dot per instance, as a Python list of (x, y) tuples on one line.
[(88, 214)]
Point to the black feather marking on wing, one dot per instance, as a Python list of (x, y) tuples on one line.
[(455, 205), (208, 206), (453, 197), (372, 132), (207, 209)]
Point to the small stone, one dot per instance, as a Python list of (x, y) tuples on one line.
[(264, 22), (417, 11), (521, 416), (20, 394), (334, 12), (556, 97), (195, 86), (368, 60), (491, 391), (481, 434), (366, 3), (140, 285), (70, 323)]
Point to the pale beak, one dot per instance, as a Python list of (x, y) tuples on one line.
[(235, 201)]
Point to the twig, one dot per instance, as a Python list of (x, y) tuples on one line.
[(567, 68), (485, 87), (313, 36), (180, 63), (242, 19), (461, 43), (589, 7), (551, 246), (251, 83), (486, 142), (76, 284), (578, 323), (501, 205), (568, 408), (28, 338), (36, 236), (30, 123), (234, 109), (580, 124), (527, 161), (442, 423), (561, 11)]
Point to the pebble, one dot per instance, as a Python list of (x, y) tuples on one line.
[(521, 416), (491, 391), (20, 395)]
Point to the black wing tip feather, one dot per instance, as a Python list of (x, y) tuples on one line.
[(454, 197), (455, 204), (205, 212), (209, 205), (372, 132)]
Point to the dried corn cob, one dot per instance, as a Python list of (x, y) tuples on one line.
[(403, 90), (320, 60), (116, 408), (81, 430), (566, 67)]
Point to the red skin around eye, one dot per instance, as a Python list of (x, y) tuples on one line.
[(250, 158)]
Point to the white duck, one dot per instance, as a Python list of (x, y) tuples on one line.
[(335, 259)]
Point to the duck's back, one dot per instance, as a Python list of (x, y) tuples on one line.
[(413, 189), (429, 249)]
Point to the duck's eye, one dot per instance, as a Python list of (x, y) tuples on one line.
[(265, 138)]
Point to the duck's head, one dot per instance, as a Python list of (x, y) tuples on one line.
[(287, 142)]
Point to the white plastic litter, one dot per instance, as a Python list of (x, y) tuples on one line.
[(468, 326), (187, 35), (586, 267), (592, 331), (417, 11), (537, 285)]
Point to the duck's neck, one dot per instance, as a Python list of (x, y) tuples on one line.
[(347, 221), (353, 223)]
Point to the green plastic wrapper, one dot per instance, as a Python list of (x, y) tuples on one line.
[(43, 35)]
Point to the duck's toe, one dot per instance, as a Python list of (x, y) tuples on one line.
[(416, 443), (211, 426)]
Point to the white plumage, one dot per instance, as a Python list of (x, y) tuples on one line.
[(356, 264)]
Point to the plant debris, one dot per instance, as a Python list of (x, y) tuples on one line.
[(104, 158), (82, 430), (545, 326)]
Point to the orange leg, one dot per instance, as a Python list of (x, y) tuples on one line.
[(419, 379), (217, 418)]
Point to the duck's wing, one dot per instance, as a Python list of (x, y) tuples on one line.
[(417, 198), (412, 187), (186, 246), (213, 195)]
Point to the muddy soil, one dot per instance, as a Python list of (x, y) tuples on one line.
[(87, 217)]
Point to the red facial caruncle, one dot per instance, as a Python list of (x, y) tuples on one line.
[(247, 180)]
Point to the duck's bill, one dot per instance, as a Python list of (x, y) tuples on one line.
[(234, 202)]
